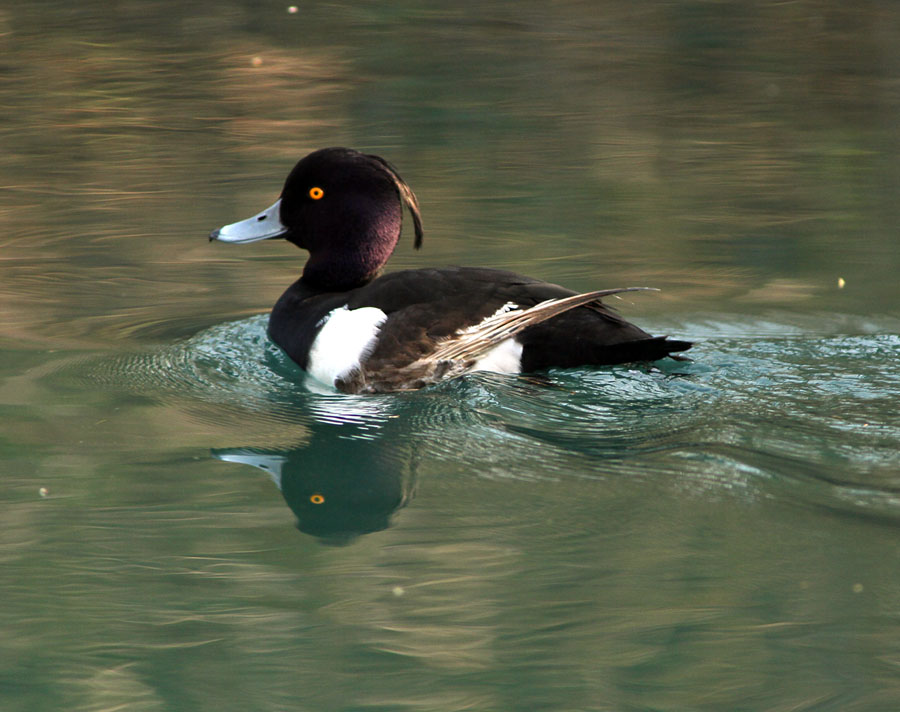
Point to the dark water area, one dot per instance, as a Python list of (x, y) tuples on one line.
[(189, 522)]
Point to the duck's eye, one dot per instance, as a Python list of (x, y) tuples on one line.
[(317, 499), (316, 193)]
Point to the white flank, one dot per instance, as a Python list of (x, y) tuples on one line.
[(345, 339), (505, 357)]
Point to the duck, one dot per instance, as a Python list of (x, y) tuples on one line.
[(360, 331)]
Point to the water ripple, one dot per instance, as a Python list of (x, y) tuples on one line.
[(788, 415)]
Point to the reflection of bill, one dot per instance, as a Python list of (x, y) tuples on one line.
[(339, 487)]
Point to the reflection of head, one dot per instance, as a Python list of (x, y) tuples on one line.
[(348, 498), (339, 488)]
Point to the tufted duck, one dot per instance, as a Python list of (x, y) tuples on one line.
[(364, 333)]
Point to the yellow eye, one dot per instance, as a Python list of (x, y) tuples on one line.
[(317, 499), (316, 193)]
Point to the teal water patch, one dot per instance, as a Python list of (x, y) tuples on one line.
[(807, 417)]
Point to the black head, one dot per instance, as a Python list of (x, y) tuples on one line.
[(344, 207), (330, 178)]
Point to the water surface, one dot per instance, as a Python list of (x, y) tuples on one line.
[(189, 523)]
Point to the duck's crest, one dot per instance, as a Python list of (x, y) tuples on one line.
[(406, 196)]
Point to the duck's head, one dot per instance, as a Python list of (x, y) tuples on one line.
[(342, 206)]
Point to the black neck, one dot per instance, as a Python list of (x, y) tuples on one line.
[(321, 276)]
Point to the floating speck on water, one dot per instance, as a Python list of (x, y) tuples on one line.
[(398, 591), (44, 492), (256, 61), (841, 282), (292, 10), (857, 588)]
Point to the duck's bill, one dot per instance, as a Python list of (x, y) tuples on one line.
[(267, 462), (262, 226)]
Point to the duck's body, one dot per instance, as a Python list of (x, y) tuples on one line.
[(362, 333)]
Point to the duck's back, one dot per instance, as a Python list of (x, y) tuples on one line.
[(427, 306)]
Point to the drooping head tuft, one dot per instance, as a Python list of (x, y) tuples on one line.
[(407, 197)]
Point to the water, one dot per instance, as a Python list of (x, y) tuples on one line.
[(189, 523)]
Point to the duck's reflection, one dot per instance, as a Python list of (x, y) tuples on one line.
[(341, 484)]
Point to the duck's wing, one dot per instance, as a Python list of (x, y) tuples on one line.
[(474, 341), (457, 354)]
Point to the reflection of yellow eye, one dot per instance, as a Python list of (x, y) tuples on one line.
[(317, 499), (316, 193)]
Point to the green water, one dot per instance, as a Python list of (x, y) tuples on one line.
[(189, 524)]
